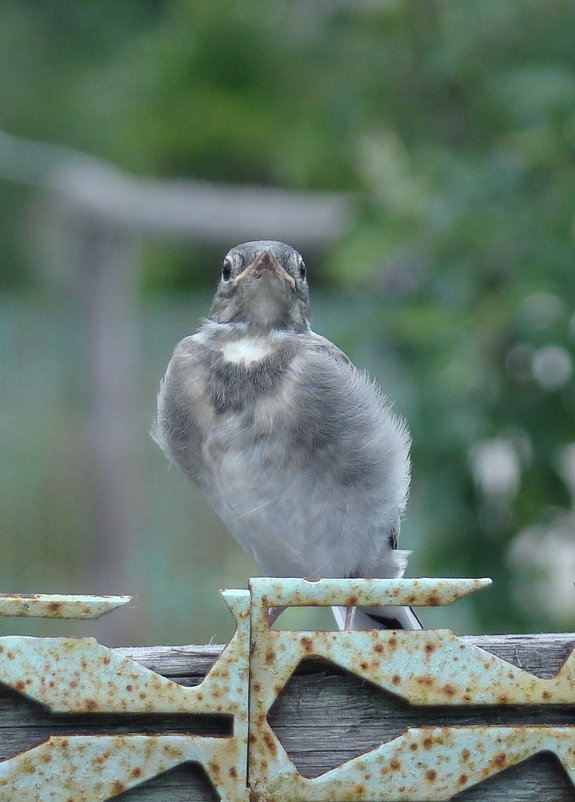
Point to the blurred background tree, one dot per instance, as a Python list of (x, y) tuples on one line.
[(453, 126)]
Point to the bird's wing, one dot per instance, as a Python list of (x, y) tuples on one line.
[(326, 347), (181, 405)]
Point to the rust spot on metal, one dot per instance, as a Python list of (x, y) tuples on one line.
[(20, 685), (395, 764), (270, 742), (378, 648), (215, 768), (463, 779), (503, 699), (413, 747), (232, 772), (257, 687), (396, 679), (307, 644), (431, 775), (392, 642), (546, 695), (91, 704), (364, 666), (119, 787), (500, 760), (137, 772), (465, 755), (430, 647), (432, 601), (270, 656), (449, 690), (427, 743)]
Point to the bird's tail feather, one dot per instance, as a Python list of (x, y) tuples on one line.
[(379, 618)]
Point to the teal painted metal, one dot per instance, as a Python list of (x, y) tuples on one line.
[(99, 767), (45, 605), (422, 765), (430, 667), (78, 675), (423, 592)]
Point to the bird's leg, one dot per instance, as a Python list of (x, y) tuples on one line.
[(349, 618), (273, 615)]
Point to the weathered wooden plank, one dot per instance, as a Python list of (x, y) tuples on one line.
[(323, 717), (186, 664)]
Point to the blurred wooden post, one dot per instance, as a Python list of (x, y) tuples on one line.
[(108, 266)]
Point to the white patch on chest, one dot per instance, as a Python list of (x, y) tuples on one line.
[(246, 351)]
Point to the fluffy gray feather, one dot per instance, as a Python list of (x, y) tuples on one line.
[(296, 449)]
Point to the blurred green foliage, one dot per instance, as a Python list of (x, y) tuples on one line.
[(455, 125)]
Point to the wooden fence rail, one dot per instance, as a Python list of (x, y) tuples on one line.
[(324, 717)]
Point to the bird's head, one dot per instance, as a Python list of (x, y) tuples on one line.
[(264, 285)]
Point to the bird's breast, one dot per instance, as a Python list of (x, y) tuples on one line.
[(239, 371)]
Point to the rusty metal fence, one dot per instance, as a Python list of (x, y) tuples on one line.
[(246, 759)]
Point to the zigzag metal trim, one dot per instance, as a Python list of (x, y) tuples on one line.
[(73, 675), (98, 767), (424, 764), (430, 668), (45, 605)]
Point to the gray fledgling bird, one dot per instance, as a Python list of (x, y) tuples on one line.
[(294, 447)]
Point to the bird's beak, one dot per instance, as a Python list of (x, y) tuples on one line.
[(266, 261)]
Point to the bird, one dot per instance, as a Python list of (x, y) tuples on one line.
[(296, 449)]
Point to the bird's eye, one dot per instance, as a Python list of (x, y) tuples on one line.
[(301, 268), (227, 270)]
